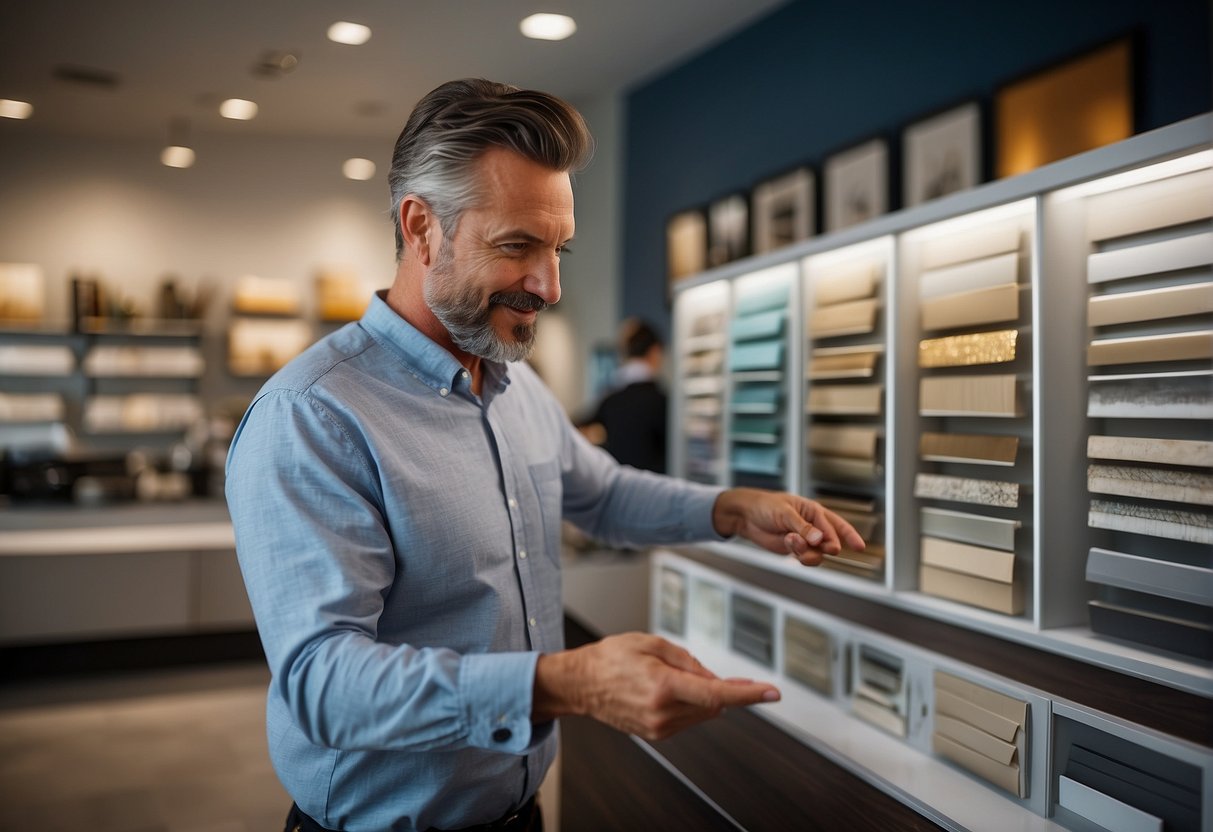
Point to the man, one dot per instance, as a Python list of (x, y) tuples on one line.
[(397, 493), (631, 418)]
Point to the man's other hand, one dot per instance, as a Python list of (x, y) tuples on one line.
[(784, 523)]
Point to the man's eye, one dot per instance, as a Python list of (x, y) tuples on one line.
[(514, 248), (563, 250)]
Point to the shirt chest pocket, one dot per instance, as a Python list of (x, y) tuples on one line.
[(548, 492)]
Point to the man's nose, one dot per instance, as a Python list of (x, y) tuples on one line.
[(543, 279)]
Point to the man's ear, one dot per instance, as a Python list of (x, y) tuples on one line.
[(419, 228)]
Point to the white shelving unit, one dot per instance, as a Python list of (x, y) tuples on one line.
[(989, 394)]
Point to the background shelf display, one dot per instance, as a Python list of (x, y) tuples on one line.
[(699, 368)]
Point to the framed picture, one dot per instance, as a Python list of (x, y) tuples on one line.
[(1079, 105), (22, 294), (728, 229), (783, 210), (857, 184), (260, 346), (942, 154), (686, 244)]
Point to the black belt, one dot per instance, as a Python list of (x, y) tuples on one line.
[(518, 820)]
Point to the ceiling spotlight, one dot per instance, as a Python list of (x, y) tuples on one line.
[(176, 156), (238, 108), (15, 109), (354, 34), (548, 26), (178, 153), (360, 169)]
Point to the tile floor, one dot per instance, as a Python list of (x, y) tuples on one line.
[(171, 751)]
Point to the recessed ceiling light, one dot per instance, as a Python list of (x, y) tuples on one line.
[(15, 109), (238, 108), (355, 34), (360, 169), (548, 26), (176, 156)]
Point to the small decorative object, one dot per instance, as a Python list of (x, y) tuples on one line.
[(857, 184), (942, 154), (340, 295), (1082, 104), (258, 347), (255, 295), (728, 230), (686, 244), (783, 210), (21, 292)]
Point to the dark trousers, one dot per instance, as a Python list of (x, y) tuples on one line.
[(527, 819)]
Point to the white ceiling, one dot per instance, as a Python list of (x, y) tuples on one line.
[(179, 58)]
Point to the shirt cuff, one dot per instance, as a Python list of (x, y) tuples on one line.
[(496, 690), (701, 499)]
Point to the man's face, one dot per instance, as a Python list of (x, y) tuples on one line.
[(501, 267)]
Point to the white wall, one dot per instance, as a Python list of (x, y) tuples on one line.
[(273, 207)]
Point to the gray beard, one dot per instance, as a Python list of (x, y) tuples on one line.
[(460, 311)]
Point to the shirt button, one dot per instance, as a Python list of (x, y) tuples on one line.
[(512, 503), (532, 621), (502, 735), (443, 391), (522, 554), (463, 374)]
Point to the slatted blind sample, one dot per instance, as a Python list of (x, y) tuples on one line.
[(983, 731)]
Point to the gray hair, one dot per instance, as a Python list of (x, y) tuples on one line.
[(453, 125)]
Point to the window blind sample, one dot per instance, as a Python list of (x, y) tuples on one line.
[(840, 286), (987, 395), (975, 244), (967, 490), (1185, 252), (808, 655), (1179, 346), (853, 364), (1171, 396), (1150, 305), (758, 460), (993, 532), (754, 299), (766, 325), (967, 277), (997, 596), (761, 429), (1142, 778), (753, 630), (1195, 453), (1165, 632), (975, 307), (967, 350), (979, 449), (756, 398), (673, 601), (1156, 521), (1180, 581), (1170, 484), (880, 695), (991, 564), (709, 603), (846, 399), (758, 355), (854, 441), (1107, 812), (852, 318), (1165, 202)]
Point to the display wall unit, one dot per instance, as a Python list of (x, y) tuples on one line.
[(1009, 391), (968, 748)]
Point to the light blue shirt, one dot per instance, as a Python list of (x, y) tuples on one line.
[(400, 541)]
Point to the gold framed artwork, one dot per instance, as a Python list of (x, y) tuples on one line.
[(1084, 103), (686, 244)]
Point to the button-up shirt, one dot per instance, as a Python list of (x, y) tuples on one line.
[(399, 537)]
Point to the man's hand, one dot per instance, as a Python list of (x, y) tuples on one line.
[(784, 524), (638, 683)]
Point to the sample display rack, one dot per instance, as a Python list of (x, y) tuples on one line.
[(1008, 390)]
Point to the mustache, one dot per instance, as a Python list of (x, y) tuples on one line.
[(524, 301)]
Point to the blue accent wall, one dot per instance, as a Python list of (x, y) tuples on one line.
[(817, 76)]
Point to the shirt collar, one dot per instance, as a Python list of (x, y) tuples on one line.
[(428, 362)]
